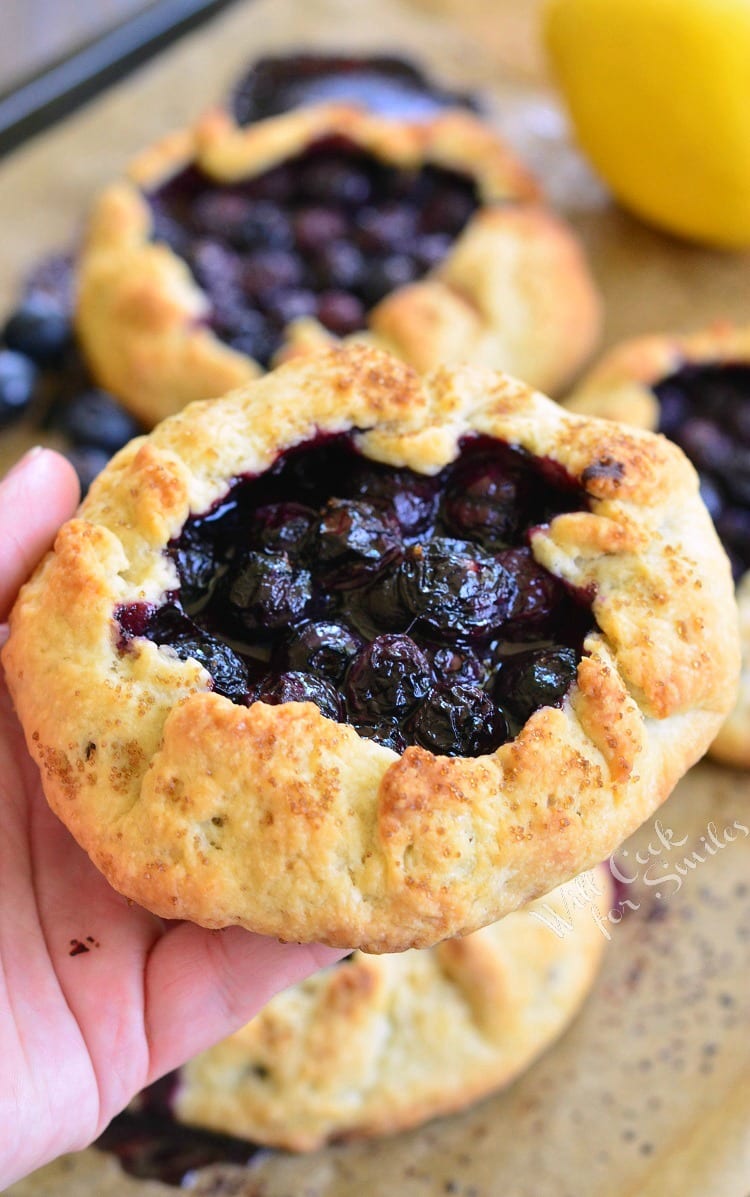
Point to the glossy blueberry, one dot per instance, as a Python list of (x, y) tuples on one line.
[(431, 249), (323, 648), (96, 418), (18, 377), (301, 687), (196, 563), (388, 733), (412, 497), (459, 720), (540, 593), (266, 591), (387, 679), (537, 678), (284, 527), (707, 446), (228, 670), (354, 542), (482, 502), (40, 329), (251, 333), (458, 665), (455, 588)]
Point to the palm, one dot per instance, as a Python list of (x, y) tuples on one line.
[(82, 1030)]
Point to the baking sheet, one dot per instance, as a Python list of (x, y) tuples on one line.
[(649, 1091)]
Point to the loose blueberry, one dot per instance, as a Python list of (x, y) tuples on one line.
[(301, 687), (388, 678), (538, 678), (325, 649), (96, 418), (459, 720), (40, 329), (18, 377)]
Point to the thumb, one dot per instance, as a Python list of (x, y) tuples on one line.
[(37, 495)]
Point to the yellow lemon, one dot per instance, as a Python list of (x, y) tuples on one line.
[(659, 94)]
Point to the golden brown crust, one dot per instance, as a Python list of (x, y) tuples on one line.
[(619, 387), (382, 1043), (514, 293), (283, 821)]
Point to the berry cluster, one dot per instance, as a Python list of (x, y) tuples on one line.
[(327, 234), (706, 410), (407, 605)]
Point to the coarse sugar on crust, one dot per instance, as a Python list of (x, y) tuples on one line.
[(284, 821)]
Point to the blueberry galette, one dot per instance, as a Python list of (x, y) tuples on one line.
[(229, 248), (354, 657), (380, 1043), (696, 390)]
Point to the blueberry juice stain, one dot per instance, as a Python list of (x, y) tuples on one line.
[(407, 605)]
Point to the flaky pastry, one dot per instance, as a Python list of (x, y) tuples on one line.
[(288, 822)]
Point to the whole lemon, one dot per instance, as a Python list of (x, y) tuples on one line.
[(659, 94)]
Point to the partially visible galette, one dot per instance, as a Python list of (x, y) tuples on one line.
[(355, 657), (377, 1044), (696, 390), (228, 248)]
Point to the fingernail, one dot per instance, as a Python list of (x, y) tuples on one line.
[(24, 461)]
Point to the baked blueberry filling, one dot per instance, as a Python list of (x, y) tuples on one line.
[(384, 84), (706, 410), (339, 581), (327, 234)]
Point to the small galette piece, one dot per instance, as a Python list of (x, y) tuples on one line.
[(228, 248), (695, 389), (354, 657), (463, 1020)]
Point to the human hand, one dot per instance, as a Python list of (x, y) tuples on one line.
[(97, 997)]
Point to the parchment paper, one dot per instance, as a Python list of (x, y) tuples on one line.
[(649, 1091)]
